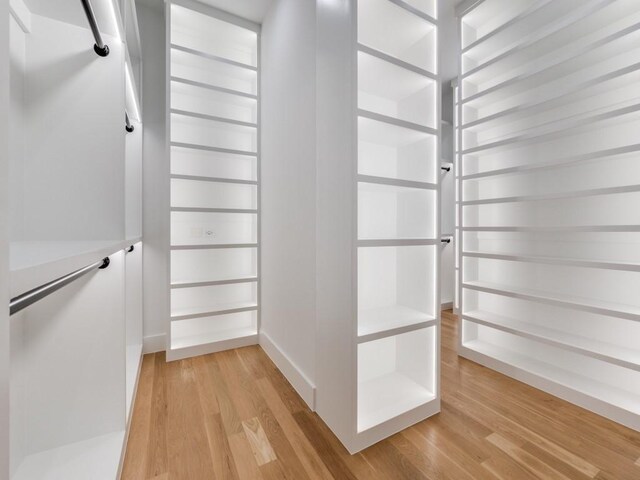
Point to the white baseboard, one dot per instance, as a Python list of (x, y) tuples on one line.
[(154, 343), (305, 388), (446, 306)]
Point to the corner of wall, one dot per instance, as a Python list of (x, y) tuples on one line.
[(298, 380)]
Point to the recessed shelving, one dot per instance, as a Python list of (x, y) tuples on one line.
[(565, 62), (393, 91), (213, 229), (190, 67), (217, 37), (215, 103), (390, 28), (203, 331), (192, 162), (546, 260), (630, 312), (205, 194), (397, 244), (562, 381), (214, 179), (213, 300), (395, 375), (204, 132), (547, 118), (391, 151), (386, 211), (491, 16), (611, 353)]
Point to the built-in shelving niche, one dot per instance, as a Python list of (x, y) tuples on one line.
[(213, 113), (398, 245), (547, 121)]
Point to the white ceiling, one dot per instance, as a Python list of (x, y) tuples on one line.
[(254, 10)]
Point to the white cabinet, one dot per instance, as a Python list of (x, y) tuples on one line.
[(547, 121)]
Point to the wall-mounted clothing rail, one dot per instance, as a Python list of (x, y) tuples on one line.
[(100, 48), (128, 127), (32, 296)]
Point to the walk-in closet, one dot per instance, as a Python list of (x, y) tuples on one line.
[(320, 239)]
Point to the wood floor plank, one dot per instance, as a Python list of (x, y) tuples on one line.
[(310, 459), (157, 463), (262, 450), (187, 442), (245, 460), (528, 461), (199, 418)]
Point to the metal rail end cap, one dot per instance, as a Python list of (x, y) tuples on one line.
[(102, 52)]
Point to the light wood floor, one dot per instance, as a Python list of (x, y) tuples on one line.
[(232, 415)]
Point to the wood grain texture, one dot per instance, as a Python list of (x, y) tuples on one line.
[(233, 415)]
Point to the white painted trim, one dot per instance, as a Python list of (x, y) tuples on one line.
[(305, 387), (446, 306), (21, 14), (154, 343)]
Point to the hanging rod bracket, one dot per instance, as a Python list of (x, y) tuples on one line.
[(105, 263), (102, 52), (99, 47), (130, 249)]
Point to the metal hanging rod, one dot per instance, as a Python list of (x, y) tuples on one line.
[(100, 48), (128, 127), (32, 296)]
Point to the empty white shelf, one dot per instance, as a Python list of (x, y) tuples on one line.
[(383, 398), (412, 38), (204, 283), (587, 54), (220, 309), (206, 70), (573, 262), (555, 163), (204, 339), (237, 327), (213, 36), (96, 459), (628, 312), (552, 373), (606, 352), (210, 164), (374, 323), (388, 89)]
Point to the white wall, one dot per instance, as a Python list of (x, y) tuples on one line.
[(4, 243), (155, 183), (448, 45), (288, 175)]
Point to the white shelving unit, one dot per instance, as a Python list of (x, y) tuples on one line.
[(213, 142), (547, 151), (398, 217)]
